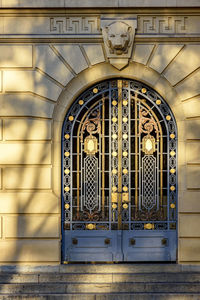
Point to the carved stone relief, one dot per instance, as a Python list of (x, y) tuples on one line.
[(118, 36), (162, 24), (75, 25)]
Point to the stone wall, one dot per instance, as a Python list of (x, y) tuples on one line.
[(46, 59)]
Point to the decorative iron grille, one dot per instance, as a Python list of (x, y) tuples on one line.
[(119, 155)]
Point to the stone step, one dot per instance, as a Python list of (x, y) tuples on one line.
[(100, 282), (137, 296), (101, 268), (99, 288), (101, 278)]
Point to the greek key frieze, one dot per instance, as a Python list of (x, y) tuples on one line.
[(162, 24), (75, 25)]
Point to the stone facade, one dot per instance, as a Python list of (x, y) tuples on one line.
[(47, 58)]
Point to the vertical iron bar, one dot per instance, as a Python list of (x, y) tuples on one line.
[(129, 152), (161, 170), (157, 175), (136, 154), (110, 157), (71, 181), (103, 157), (99, 179), (78, 162), (119, 86)]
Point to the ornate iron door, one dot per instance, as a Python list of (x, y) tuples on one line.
[(119, 175)]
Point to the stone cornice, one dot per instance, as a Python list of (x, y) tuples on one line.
[(87, 26), (97, 3)]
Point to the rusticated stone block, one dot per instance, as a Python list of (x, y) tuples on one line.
[(192, 153), (48, 61), (25, 105), (189, 225), (27, 178), (94, 53), (15, 56), (192, 107), (31, 226), (185, 62), (27, 129), (192, 129), (163, 56), (30, 251), (29, 202), (193, 174), (190, 201), (25, 153), (30, 81), (70, 54), (142, 52), (189, 87), (189, 249)]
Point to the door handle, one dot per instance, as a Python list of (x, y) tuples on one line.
[(132, 242), (74, 241), (164, 242), (107, 241)]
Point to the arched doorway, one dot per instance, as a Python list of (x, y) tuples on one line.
[(119, 188)]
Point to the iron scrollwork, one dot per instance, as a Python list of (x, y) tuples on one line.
[(119, 159)]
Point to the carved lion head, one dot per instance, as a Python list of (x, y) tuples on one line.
[(118, 37)]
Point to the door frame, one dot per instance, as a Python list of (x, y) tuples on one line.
[(156, 123), (105, 71)]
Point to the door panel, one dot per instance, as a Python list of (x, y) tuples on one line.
[(149, 246), (119, 175), (93, 246), (121, 246)]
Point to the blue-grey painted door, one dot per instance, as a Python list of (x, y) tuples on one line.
[(119, 153)]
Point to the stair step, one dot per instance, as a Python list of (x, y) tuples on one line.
[(100, 282), (95, 288), (101, 268), (100, 278), (140, 296)]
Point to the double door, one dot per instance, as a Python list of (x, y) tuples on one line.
[(119, 175)]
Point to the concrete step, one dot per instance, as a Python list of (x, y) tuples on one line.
[(100, 268), (101, 278), (103, 297), (99, 288), (100, 282)]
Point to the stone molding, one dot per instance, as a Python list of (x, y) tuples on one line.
[(89, 26), (96, 3)]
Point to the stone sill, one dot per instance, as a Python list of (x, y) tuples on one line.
[(98, 4), (101, 268)]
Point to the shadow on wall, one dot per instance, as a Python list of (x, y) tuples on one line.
[(27, 183), (28, 206), (29, 210)]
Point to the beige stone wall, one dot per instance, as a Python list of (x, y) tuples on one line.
[(30, 212), (38, 82)]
